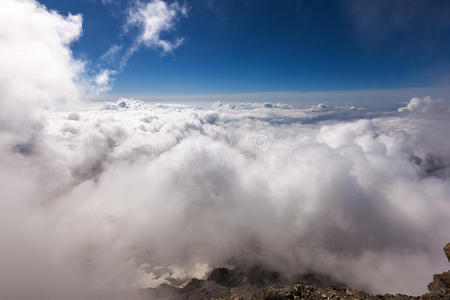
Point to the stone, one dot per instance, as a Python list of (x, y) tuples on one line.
[(447, 251), (440, 284), (258, 283)]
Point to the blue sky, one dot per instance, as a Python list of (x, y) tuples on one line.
[(254, 46)]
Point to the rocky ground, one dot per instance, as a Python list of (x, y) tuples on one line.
[(256, 283)]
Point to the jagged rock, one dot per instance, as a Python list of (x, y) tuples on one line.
[(319, 280), (256, 276), (440, 284), (447, 251), (257, 282), (226, 277)]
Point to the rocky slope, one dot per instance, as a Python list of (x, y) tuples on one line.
[(256, 283)]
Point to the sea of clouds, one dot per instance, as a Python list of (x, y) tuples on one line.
[(130, 194)]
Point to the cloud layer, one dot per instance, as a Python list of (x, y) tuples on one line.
[(120, 192)]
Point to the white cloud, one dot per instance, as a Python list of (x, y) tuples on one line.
[(112, 53), (181, 187), (103, 79), (426, 105), (123, 103), (153, 19), (36, 62), (387, 99)]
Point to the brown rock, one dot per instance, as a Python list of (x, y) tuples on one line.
[(440, 284), (256, 283), (236, 297), (447, 251)]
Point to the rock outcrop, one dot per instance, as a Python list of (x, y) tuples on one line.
[(440, 286), (258, 283), (447, 251)]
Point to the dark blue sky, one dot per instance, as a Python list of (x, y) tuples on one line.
[(241, 46)]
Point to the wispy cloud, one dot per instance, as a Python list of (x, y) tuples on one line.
[(154, 19), (104, 79), (112, 54), (108, 2), (151, 20)]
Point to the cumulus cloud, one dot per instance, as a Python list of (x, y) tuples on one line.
[(426, 105), (123, 103), (123, 192), (153, 19), (33, 40)]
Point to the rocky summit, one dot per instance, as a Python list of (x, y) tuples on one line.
[(256, 282)]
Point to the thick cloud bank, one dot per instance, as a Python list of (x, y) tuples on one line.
[(143, 194), (37, 67), (129, 194)]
